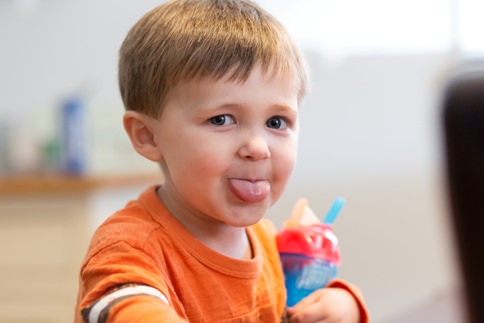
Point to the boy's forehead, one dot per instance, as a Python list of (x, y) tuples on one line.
[(264, 75), (259, 88)]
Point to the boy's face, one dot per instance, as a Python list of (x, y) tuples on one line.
[(227, 148)]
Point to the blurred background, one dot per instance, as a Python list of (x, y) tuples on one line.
[(370, 132)]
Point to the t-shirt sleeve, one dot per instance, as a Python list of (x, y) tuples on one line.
[(356, 292), (122, 283), (142, 309)]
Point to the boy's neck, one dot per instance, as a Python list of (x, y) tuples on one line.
[(230, 241), (236, 245)]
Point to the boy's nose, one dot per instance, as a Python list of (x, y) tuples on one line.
[(256, 148)]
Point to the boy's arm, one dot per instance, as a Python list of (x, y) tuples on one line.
[(133, 308), (330, 304), (121, 283), (357, 295), (149, 311)]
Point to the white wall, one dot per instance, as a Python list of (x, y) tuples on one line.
[(369, 133)]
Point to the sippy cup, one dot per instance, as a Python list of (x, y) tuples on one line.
[(308, 250)]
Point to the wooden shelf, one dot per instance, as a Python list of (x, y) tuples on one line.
[(54, 184)]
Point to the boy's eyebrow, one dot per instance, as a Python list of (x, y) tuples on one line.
[(275, 106), (286, 107)]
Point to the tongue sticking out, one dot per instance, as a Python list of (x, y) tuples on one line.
[(251, 192)]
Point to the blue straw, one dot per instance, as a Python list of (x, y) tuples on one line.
[(334, 211)]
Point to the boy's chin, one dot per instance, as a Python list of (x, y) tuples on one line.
[(245, 219), (242, 214), (243, 224)]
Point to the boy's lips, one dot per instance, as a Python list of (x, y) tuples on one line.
[(249, 191)]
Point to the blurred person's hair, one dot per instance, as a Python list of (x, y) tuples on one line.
[(463, 121)]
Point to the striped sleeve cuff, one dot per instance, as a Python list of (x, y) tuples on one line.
[(98, 312)]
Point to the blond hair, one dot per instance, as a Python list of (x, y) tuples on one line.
[(185, 39)]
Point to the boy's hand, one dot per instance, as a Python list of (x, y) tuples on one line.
[(326, 305)]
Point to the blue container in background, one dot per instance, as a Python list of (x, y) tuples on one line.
[(73, 137)]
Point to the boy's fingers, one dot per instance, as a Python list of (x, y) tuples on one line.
[(306, 301), (311, 313)]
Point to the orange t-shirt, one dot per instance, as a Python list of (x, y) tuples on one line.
[(143, 244)]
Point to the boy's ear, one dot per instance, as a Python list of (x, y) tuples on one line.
[(139, 128)]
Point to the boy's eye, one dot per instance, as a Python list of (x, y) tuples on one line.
[(276, 123), (221, 120)]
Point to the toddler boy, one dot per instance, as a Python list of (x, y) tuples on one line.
[(212, 91)]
